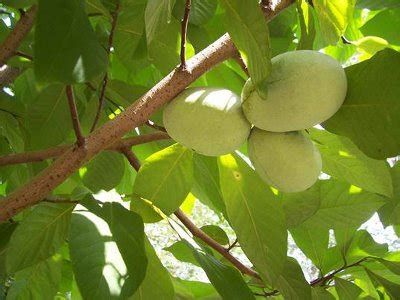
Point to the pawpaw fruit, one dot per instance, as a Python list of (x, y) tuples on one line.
[(305, 88), (288, 161), (207, 120)]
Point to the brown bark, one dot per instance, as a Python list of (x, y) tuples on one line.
[(135, 115)]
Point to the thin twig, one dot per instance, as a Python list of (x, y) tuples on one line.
[(197, 232), (24, 55), (80, 140), (232, 245), (184, 26), (105, 78), (15, 37), (41, 155), (153, 125), (131, 157), (133, 116), (90, 86), (326, 278), (346, 41)]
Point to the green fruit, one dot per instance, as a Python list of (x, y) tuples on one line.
[(288, 161), (305, 88), (207, 120)]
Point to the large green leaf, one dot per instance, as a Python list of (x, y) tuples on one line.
[(103, 172), (313, 243), (248, 29), (39, 281), (347, 290), (201, 11), (226, 279), (9, 128), (319, 293), (181, 252), (129, 28), (386, 25), (291, 283), (166, 178), (307, 26), (330, 204), (206, 179), (66, 47), (157, 282), (127, 230), (256, 216), (6, 230), (38, 236), (157, 16), (376, 5), (97, 263), (392, 289), (343, 160), (333, 17), (363, 245), (190, 290), (48, 119), (370, 115), (390, 212)]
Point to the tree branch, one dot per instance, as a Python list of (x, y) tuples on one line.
[(8, 75), (326, 278), (184, 26), (105, 78), (14, 39), (197, 232), (41, 155), (133, 116), (80, 140)]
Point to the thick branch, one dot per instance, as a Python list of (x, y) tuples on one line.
[(41, 155), (8, 75), (131, 157), (136, 114), (105, 78), (197, 232), (14, 39)]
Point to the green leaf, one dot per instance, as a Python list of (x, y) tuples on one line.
[(256, 216), (217, 233), (48, 119), (333, 17), (38, 236), (347, 290), (390, 212), (127, 230), (189, 290), (306, 24), (363, 245), (201, 11), (104, 172), (370, 115), (66, 47), (96, 260), (6, 230), (385, 24), (392, 289), (9, 128), (313, 243), (291, 282), (166, 178), (330, 204), (206, 179), (181, 252), (129, 28), (157, 282), (18, 3), (226, 279), (248, 29), (319, 293), (393, 266), (343, 160), (157, 16), (39, 281), (377, 5)]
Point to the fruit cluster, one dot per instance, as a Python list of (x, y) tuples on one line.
[(305, 88)]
